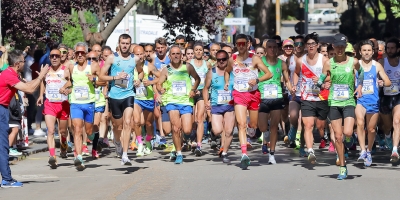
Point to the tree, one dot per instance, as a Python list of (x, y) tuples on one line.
[(187, 16), (395, 8), (263, 18), (73, 33), (355, 25)]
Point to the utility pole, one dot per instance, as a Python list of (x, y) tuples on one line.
[(305, 17), (134, 23), (1, 36), (278, 16)]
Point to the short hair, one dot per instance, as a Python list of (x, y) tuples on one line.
[(198, 44), (124, 36), (299, 37), (259, 47), (242, 36), (149, 44), (323, 44), (393, 40), (161, 41), (222, 51), (312, 36), (82, 44), (175, 46), (380, 42), (367, 42), (180, 37), (277, 37), (292, 37), (330, 47), (14, 56), (62, 46), (106, 48)]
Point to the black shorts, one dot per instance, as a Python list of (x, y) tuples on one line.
[(340, 112), (117, 106), (319, 109), (387, 103), (286, 100), (268, 105), (198, 97), (164, 114)]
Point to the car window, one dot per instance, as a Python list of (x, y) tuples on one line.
[(333, 12), (326, 12), (317, 11)]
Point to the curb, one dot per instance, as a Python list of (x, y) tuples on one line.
[(33, 149)]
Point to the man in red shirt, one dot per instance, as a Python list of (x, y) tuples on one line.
[(9, 84)]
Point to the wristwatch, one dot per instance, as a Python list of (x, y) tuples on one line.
[(257, 80)]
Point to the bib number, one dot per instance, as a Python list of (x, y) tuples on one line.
[(81, 93), (312, 88), (202, 79), (270, 91), (53, 94), (242, 84), (224, 97), (179, 88), (97, 91), (340, 92), (141, 91), (122, 83), (368, 86), (393, 89)]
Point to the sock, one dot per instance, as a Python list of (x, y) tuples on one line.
[(388, 136), (179, 153), (148, 144), (199, 144), (148, 138), (124, 154), (52, 151), (95, 140), (91, 137), (272, 153), (310, 150), (244, 148), (139, 139), (101, 139), (224, 153), (395, 149), (63, 139), (84, 144)]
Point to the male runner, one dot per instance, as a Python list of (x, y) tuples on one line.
[(177, 90), (118, 71), (214, 47)]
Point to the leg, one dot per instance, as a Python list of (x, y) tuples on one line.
[(308, 128), (12, 136), (337, 129), (274, 128), (78, 132), (229, 122), (372, 120), (360, 115), (126, 129), (50, 122), (175, 119), (4, 148), (241, 118), (200, 121)]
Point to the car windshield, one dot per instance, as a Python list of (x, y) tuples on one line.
[(317, 11)]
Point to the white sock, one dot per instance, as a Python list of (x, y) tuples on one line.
[(395, 149), (124, 154), (179, 153), (224, 153), (388, 136), (310, 150)]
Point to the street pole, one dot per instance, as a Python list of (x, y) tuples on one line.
[(134, 23), (1, 36), (278, 16), (305, 17)]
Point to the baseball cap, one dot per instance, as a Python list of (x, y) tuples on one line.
[(339, 40), (349, 48), (288, 42)]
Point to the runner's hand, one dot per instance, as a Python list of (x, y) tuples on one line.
[(43, 71), (252, 82), (380, 83), (358, 91), (136, 83), (226, 86), (146, 83), (39, 102), (192, 94), (327, 85), (315, 79), (121, 75), (158, 98), (207, 104), (91, 77)]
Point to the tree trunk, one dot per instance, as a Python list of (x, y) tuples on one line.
[(262, 18)]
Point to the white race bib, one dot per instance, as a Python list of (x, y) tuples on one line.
[(224, 96), (97, 91), (270, 91), (241, 84), (141, 91), (368, 86), (340, 92), (311, 87), (202, 79), (53, 94), (81, 93), (122, 83), (393, 89), (179, 88)]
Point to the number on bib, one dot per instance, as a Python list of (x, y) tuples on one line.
[(81, 93), (270, 91), (393, 89), (141, 91), (53, 94), (340, 92), (224, 97), (122, 83), (179, 88), (368, 86), (97, 91), (241, 84)]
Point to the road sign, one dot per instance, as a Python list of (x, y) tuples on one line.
[(236, 21), (299, 28)]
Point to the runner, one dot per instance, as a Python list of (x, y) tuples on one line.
[(223, 116), (228, 49), (82, 75), (314, 104), (368, 105), (260, 51), (56, 106), (118, 71), (389, 103), (245, 92), (178, 92), (272, 101), (341, 101)]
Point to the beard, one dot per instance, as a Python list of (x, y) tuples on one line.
[(392, 55)]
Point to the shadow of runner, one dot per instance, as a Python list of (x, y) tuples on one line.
[(49, 181), (334, 176), (128, 170)]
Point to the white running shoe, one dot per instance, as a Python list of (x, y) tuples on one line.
[(271, 160)]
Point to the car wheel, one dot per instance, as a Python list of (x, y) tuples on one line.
[(319, 21)]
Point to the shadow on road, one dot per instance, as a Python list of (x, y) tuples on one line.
[(128, 170)]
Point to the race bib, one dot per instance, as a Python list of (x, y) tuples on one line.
[(97, 92), (122, 83), (393, 89), (202, 79), (340, 92), (241, 84), (311, 87), (141, 91), (53, 94), (179, 88), (270, 91), (368, 86), (224, 97), (81, 93)]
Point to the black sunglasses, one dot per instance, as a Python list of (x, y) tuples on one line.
[(92, 58), (222, 59)]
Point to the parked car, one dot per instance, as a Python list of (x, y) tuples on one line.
[(323, 16)]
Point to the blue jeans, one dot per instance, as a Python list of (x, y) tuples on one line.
[(4, 148)]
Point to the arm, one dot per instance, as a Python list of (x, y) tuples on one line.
[(153, 70), (325, 69), (227, 73), (207, 85), (383, 75), (163, 77), (192, 72), (31, 86), (285, 72), (260, 65), (96, 71), (103, 76), (360, 71), (209, 65), (296, 74)]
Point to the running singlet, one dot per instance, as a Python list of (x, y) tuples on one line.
[(292, 68), (54, 81), (370, 90), (271, 89), (178, 86), (243, 71), (99, 96), (342, 88), (308, 90), (394, 76), (219, 96), (142, 92), (201, 71), (123, 88), (82, 88), (161, 64)]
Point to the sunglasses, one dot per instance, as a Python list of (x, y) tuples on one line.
[(313, 44), (206, 53), (222, 59), (63, 52), (240, 44), (298, 44), (92, 59), (80, 52), (180, 44), (288, 47), (55, 55)]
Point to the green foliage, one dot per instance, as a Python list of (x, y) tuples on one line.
[(356, 26), (395, 8), (73, 33), (381, 15)]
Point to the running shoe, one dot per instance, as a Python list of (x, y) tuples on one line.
[(248, 143), (311, 157), (95, 155), (106, 143), (363, 156), (331, 147), (163, 143), (179, 159), (63, 154), (148, 149), (220, 151), (118, 149), (140, 150), (53, 162), (286, 139), (271, 159), (70, 147), (205, 140), (348, 141), (264, 149), (133, 146), (78, 162), (225, 158), (85, 151), (213, 145), (368, 160), (125, 161), (260, 139), (172, 155), (292, 135), (389, 142), (245, 161), (322, 144), (14, 152), (198, 151), (343, 173), (100, 145), (297, 140), (394, 157), (11, 184), (302, 152)]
